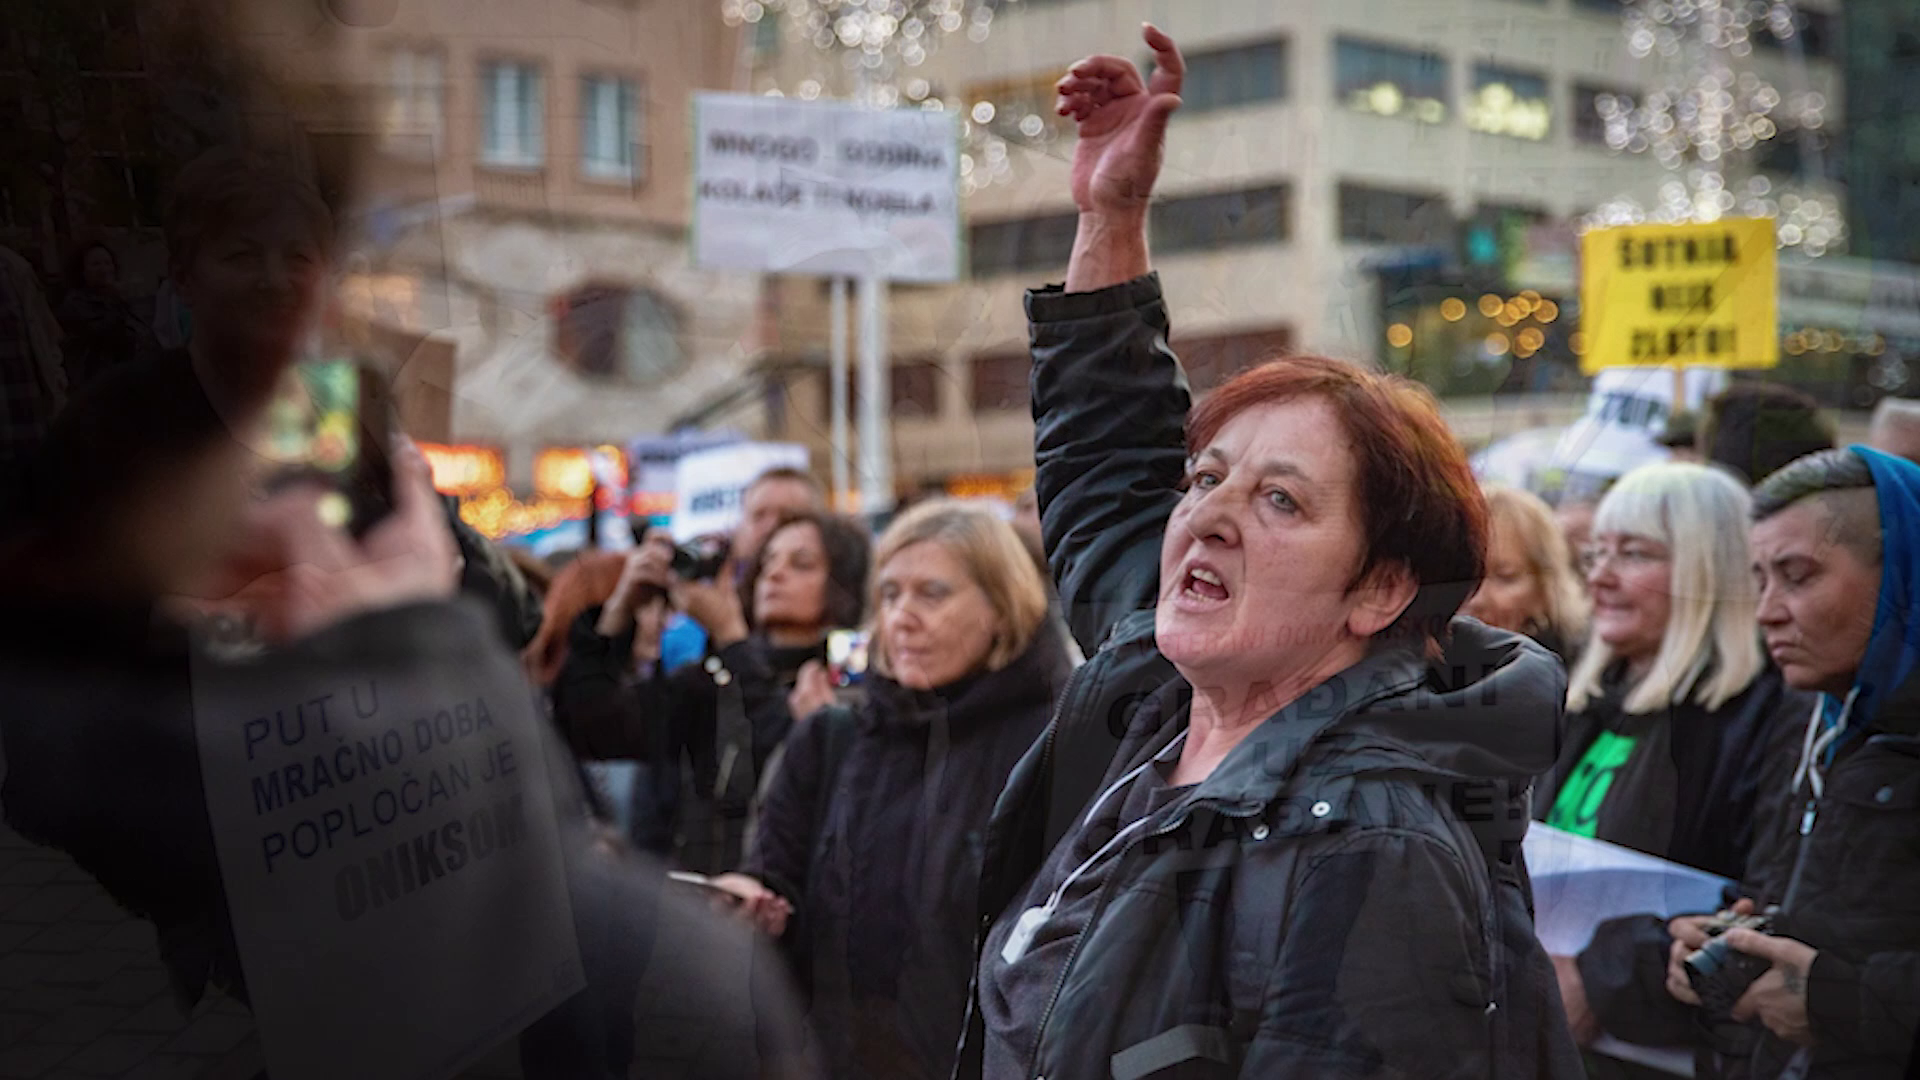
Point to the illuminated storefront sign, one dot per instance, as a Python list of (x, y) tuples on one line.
[(464, 470)]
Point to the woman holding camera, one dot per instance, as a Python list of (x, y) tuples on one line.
[(710, 727), (868, 854), (1674, 718)]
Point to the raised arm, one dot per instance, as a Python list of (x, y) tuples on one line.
[(1109, 400)]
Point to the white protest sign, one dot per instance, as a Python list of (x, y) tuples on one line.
[(389, 847), (1580, 882), (710, 485), (810, 187)]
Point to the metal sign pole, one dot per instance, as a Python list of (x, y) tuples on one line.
[(876, 442), (837, 346)]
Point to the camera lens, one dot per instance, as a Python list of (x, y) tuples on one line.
[(1708, 959)]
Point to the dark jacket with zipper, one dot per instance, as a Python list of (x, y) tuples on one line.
[(1345, 894), (1688, 793), (875, 838), (1857, 902), (710, 727)]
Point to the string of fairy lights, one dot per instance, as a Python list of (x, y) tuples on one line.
[(880, 43), (1707, 116), (1704, 118)]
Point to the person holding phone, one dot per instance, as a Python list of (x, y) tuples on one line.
[(711, 727), (866, 861)]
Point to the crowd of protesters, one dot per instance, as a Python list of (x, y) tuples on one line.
[(1230, 777)]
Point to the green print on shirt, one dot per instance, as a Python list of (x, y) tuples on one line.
[(1577, 809)]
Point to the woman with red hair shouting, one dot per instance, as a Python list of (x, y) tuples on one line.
[(1274, 828)]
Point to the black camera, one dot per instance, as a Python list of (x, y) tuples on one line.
[(1718, 973), (701, 559)]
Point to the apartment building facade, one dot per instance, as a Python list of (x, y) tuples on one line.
[(1319, 144)]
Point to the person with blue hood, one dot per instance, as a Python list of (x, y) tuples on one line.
[(1836, 548)]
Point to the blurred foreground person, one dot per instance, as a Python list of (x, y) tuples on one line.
[(1836, 547), (867, 861), (1239, 849), (1532, 586), (719, 721), (137, 532), (1671, 712)]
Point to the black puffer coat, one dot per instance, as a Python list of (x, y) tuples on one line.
[(873, 832), (1345, 894)]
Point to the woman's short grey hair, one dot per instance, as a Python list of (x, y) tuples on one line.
[(1841, 480)]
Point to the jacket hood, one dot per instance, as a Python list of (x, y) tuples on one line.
[(1487, 713), (1894, 646), (1490, 707)]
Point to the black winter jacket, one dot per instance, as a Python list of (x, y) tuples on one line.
[(1857, 902), (709, 728), (1345, 895), (874, 835)]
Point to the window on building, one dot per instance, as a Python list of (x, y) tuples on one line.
[(610, 129), (1224, 78), (613, 331), (913, 385), (766, 34), (1597, 107), (1000, 381), (1802, 154), (1815, 29), (414, 114), (1509, 102), (120, 183), (124, 182), (1023, 245), (515, 115), (1371, 215), (1390, 82), (916, 388), (1213, 359), (1205, 222)]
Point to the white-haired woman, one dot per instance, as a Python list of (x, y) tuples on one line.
[(1670, 714)]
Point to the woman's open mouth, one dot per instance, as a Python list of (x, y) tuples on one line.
[(1202, 588)]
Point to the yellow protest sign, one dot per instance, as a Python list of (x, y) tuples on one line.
[(1680, 295)]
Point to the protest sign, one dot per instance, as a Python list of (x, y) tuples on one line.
[(710, 485), (814, 187), (1579, 883), (388, 844), (1680, 295)]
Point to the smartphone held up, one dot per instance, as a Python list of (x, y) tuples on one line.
[(847, 657), (331, 424)]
